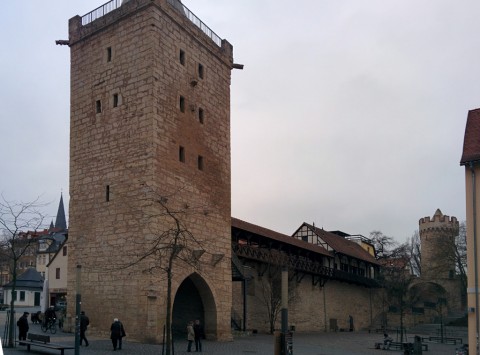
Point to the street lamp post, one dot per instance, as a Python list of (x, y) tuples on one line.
[(78, 304), (283, 346)]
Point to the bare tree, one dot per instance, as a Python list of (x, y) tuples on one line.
[(171, 242), (461, 254), (15, 219), (415, 254), (270, 282), (396, 279), (397, 275), (384, 245), (271, 295)]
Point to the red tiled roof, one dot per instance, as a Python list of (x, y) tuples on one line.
[(237, 223), (344, 246), (471, 141)]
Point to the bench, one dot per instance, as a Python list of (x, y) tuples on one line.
[(446, 340), (43, 341), (394, 345)]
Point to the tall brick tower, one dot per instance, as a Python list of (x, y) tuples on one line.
[(437, 237), (150, 116)]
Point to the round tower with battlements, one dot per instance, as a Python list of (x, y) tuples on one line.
[(437, 236)]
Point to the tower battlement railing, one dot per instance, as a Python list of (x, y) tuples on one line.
[(115, 4), (101, 11), (197, 22)]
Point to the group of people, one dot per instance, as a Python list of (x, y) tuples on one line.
[(22, 322), (50, 316), (117, 331), (195, 333)]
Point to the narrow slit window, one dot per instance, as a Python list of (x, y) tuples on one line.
[(182, 57), (182, 104), (107, 193), (200, 162), (200, 115), (115, 100), (200, 71), (109, 54), (181, 154), (98, 106)]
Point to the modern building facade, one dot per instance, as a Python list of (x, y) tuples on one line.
[(471, 162)]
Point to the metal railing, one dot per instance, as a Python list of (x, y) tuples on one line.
[(101, 11), (196, 21), (115, 4)]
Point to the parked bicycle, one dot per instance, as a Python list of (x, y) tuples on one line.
[(50, 325)]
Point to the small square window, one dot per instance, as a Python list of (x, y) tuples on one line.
[(200, 162), (182, 57), (109, 54), (98, 106), (181, 154), (182, 104), (115, 100), (200, 71), (200, 115)]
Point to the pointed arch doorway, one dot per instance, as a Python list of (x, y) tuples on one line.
[(193, 300)]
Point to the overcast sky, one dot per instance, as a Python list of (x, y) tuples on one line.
[(348, 113)]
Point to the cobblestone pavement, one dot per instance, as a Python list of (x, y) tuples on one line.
[(356, 343)]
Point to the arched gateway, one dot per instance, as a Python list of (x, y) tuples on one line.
[(194, 300)]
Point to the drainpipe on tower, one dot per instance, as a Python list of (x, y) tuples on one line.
[(475, 256)]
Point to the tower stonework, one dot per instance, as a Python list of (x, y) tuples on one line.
[(437, 237), (438, 276), (150, 117)]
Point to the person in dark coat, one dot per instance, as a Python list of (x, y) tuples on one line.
[(22, 324), (84, 322), (116, 331), (199, 335), (122, 329)]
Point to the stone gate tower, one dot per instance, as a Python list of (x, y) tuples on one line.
[(150, 127), (437, 237)]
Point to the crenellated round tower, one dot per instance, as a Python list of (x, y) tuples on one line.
[(437, 236)]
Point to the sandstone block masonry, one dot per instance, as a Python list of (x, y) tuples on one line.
[(150, 120), (311, 307)]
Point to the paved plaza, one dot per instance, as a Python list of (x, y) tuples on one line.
[(344, 343)]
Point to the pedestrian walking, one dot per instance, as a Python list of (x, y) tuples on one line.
[(84, 322), (123, 334), (199, 335), (350, 321), (22, 324), (116, 331), (190, 335)]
